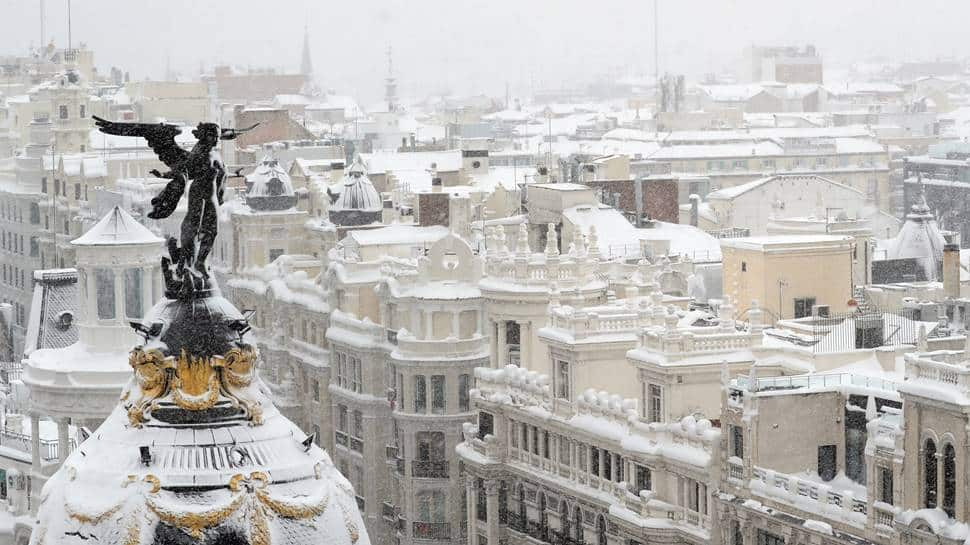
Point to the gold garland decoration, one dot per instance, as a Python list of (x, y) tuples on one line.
[(150, 370), (352, 529), (85, 518), (195, 523), (291, 510)]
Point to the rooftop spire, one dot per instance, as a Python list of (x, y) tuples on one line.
[(390, 84), (306, 65)]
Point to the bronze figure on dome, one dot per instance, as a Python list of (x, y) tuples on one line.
[(203, 167)]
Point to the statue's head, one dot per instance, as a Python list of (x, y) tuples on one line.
[(207, 132)]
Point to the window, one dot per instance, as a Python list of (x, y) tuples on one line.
[(765, 538), (768, 164), (929, 474), (420, 394), (737, 441), (655, 403), (740, 165), (77, 192), (826, 462), (486, 425), (949, 480), (431, 446), (81, 111), (562, 386), (803, 306), (563, 450), (642, 479), (594, 461), (104, 281), (133, 293), (35, 210), (275, 253), (62, 112), (315, 386), (464, 383), (513, 434), (535, 440), (358, 430), (431, 506), (356, 383), (607, 457), (545, 445), (886, 485), (43, 185), (744, 266), (316, 435), (437, 394), (342, 418)]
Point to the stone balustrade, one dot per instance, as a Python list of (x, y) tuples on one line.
[(792, 490), (946, 367)]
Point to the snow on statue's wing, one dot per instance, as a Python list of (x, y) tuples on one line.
[(160, 137)]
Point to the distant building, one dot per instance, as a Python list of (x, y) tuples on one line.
[(787, 64)]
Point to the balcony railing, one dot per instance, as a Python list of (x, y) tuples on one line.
[(356, 444), (428, 469), (431, 530), (19, 441)]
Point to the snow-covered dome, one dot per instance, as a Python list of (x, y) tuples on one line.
[(357, 192), (196, 452), (919, 238), (117, 228), (270, 187)]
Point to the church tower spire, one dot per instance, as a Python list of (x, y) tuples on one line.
[(306, 65)]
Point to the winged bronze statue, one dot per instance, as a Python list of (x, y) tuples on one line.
[(203, 167)]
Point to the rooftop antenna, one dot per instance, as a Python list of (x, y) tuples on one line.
[(43, 31), (656, 53), (70, 44)]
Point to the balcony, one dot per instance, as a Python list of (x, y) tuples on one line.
[(356, 444), (390, 452), (735, 468), (21, 442), (429, 469), (431, 530)]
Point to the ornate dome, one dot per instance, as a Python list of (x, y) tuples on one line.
[(270, 187), (919, 238), (196, 453), (357, 192)]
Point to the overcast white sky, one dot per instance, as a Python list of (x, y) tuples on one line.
[(479, 45)]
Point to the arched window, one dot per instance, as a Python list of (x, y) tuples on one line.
[(600, 530), (949, 479), (578, 520), (929, 474)]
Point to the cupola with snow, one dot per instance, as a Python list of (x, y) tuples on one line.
[(358, 202)]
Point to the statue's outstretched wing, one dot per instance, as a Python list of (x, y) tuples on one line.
[(160, 137)]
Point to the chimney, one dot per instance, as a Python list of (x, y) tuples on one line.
[(951, 271), (695, 206)]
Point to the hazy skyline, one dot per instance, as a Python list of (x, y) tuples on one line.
[(478, 46)]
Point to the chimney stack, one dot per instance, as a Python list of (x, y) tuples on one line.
[(951, 271)]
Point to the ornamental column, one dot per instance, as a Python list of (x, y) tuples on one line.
[(63, 443), (501, 359), (491, 511), (35, 442), (471, 504)]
